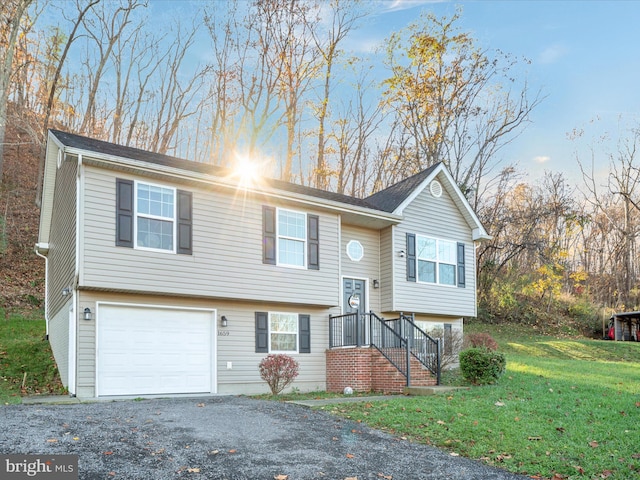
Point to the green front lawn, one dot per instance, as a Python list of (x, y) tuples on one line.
[(26, 361), (566, 408)]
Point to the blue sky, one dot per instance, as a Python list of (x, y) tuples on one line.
[(585, 56)]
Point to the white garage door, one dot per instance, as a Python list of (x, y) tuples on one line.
[(154, 350)]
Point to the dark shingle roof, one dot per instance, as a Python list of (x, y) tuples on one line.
[(386, 200), (100, 146), (390, 198)]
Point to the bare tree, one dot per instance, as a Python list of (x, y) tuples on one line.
[(105, 29), (11, 14), (343, 18)]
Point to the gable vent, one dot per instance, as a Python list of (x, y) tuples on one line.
[(435, 188)]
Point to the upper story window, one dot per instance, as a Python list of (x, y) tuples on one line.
[(292, 238), (437, 260), (155, 216)]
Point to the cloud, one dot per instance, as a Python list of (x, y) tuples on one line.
[(541, 159), (397, 5), (552, 54)]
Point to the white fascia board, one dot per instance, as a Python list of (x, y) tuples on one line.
[(479, 233), (213, 180), (48, 184)]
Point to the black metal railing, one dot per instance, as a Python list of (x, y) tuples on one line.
[(396, 339), (422, 346)]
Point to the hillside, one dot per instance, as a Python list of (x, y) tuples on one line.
[(21, 270)]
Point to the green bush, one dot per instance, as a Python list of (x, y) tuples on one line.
[(481, 366)]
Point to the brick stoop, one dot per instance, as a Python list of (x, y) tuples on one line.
[(366, 369)]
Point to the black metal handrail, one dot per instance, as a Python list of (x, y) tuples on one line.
[(422, 346)]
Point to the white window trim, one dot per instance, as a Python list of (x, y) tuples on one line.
[(437, 262), (354, 242), (137, 215), (285, 237), (297, 333)]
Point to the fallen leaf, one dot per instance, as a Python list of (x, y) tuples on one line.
[(108, 453), (193, 470), (76, 438), (112, 474), (579, 469), (454, 454), (531, 439), (440, 422), (200, 405), (350, 455), (593, 444), (606, 474), (499, 404), (233, 450), (215, 452), (386, 477), (560, 429), (351, 478), (281, 477), (52, 440)]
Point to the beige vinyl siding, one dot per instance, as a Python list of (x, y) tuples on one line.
[(59, 341), (235, 343), (368, 267), (438, 218), (62, 238), (227, 251), (387, 259)]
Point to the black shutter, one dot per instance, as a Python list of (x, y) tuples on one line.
[(313, 242), (185, 223), (304, 333), (268, 235), (461, 268), (262, 332), (124, 213), (411, 257)]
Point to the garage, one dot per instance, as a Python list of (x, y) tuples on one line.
[(147, 350)]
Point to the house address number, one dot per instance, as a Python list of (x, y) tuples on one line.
[(223, 333)]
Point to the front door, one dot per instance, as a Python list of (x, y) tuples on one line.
[(354, 304)]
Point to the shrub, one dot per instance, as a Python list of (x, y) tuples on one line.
[(481, 366), (278, 371), (477, 340)]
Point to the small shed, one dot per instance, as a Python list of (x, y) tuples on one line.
[(624, 327)]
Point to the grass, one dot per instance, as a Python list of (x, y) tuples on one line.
[(26, 361), (566, 408)]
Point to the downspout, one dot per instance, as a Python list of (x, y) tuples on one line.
[(46, 288)]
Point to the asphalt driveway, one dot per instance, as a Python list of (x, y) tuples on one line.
[(222, 438)]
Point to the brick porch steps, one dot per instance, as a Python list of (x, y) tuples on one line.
[(366, 369)]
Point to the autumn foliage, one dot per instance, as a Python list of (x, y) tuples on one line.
[(278, 370), (476, 340)]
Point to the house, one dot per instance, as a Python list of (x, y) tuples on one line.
[(165, 276)]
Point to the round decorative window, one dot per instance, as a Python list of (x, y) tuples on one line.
[(355, 250), (435, 188)]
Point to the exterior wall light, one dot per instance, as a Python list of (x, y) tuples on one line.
[(66, 291), (223, 321), (376, 284), (87, 314), (401, 253)]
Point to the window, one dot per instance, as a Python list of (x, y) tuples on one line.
[(355, 251), (437, 260), (153, 217), (155, 214), (282, 332), (290, 238)]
